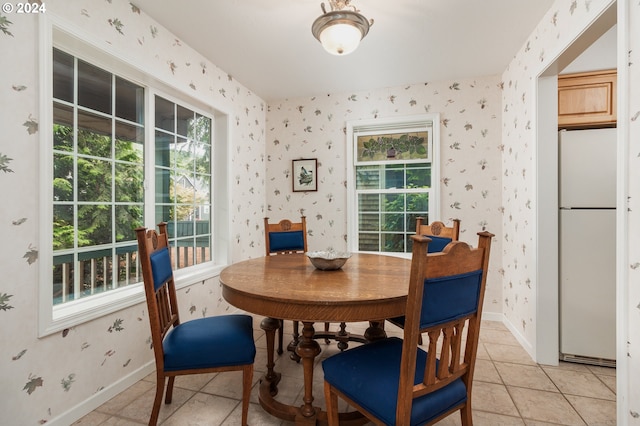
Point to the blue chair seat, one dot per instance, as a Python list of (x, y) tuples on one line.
[(361, 372), (225, 340)]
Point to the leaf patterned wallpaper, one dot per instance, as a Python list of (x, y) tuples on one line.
[(42, 379), (486, 159), (562, 23), (470, 154), (554, 33)]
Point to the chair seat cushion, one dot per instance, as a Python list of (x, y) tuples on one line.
[(225, 340), (370, 374)]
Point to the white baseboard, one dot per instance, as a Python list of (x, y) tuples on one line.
[(526, 345), (99, 398)]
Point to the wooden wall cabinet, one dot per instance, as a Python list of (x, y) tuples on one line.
[(587, 99)]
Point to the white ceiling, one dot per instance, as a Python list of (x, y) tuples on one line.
[(267, 45)]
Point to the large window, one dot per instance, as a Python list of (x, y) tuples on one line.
[(98, 178), (124, 151), (394, 182)]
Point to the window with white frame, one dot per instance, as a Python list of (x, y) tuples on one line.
[(98, 178), (183, 180), (394, 181), (121, 154)]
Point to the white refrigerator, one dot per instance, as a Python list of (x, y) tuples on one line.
[(587, 246)]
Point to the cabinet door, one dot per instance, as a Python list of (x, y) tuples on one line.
[(587, 99)]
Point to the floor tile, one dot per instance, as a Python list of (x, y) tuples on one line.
[(194, 382), (580, 383), (256, 417), (602, 371), (483, 418), (525, 376), (118, 402), (596, 412), (485, 371), (493, 398), (140, 408), (202, 410), (609, 381), (92, 419), (493, 335), (508, 353), (119, 421), (544, 406), (228, 384)]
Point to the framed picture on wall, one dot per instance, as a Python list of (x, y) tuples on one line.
[(305, 176)]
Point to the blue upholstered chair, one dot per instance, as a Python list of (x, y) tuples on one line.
[(394, 381), (204, 345), (440, 235), (286, 237)]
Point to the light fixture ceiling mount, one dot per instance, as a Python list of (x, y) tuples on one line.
[(341, 29)]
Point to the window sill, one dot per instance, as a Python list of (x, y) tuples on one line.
[(77, 312)]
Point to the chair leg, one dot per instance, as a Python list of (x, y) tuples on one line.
[(326, 330), (169, 395), (155, 411), (247, 379), (466, 415), (331, 401), (280, 337)]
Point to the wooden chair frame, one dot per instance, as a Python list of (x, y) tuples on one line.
[(163, 316), (285, 225), (438, 229), (454, 362)]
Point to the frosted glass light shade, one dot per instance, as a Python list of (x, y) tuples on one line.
[(340, 39), (340, 31)]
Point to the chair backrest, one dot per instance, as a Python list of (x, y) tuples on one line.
[(285, 236), (446, 292), (159, 287), (440, 234)]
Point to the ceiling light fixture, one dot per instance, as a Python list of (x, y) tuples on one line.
[(341, 29)]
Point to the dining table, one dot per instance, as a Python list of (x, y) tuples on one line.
[(367, 288)]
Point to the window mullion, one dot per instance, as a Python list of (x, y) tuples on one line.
[(149, 160), (76, 260), (115, 267)]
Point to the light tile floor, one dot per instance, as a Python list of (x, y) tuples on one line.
[(509, 389)]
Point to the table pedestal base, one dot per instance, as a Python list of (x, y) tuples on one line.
[(307, 349)]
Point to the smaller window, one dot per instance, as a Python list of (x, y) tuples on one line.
[(392, 183), (183, 181)]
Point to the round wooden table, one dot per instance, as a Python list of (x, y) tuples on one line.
[(369, 287)]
